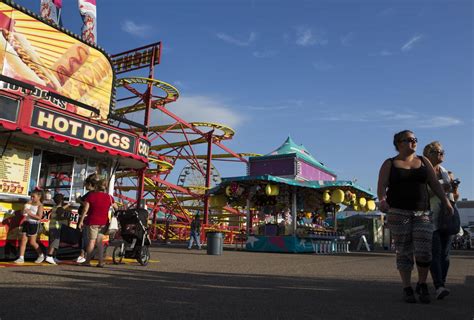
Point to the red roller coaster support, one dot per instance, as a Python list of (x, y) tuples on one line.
[(208, 176)]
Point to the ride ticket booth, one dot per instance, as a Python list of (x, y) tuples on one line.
[(55, 121)]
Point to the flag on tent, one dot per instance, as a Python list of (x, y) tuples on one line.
[(50, 10), (88, 11)]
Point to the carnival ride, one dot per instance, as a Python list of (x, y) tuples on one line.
[(173, 141)]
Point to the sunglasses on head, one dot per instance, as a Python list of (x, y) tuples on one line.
[(410, 140), (440, 152)]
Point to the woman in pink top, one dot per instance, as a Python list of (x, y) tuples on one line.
[(96, 219)]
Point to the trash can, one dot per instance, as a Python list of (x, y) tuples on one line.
[(215, 243)]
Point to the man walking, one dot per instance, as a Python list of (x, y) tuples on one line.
[(195, 232)]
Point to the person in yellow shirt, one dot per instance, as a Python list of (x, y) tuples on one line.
[(57, 218)]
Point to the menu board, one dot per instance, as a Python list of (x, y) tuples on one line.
[(15, 167)]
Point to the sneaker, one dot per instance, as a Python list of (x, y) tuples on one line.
[(40, 258), (80, 259), (19, 261), (423, 293), (50, 260), (442, 292), (409, 295)]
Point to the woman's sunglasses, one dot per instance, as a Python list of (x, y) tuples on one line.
[(440, 152), (410, 140)]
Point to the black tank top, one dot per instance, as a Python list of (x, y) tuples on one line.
[(408, 188)]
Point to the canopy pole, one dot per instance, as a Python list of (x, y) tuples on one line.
[(293, 210), (247, 217)]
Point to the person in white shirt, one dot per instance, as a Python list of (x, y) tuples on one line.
[(33, 212)]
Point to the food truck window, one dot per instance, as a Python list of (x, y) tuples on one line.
[(56, 173), (80, 175), (101, 168), (9, 108), (82, 169), (35, 169)]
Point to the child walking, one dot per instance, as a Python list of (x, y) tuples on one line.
[(33, 212), (57, 219)]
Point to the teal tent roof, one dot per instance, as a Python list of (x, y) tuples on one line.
[(339, 184), (290, 147)]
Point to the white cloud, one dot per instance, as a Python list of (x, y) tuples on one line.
[(206, 109), (388, 118), (382, 53), (305, 37), (237, 42), (137, 30), (439, 122), (346, 40), (264, 54), (410, 43), (283, 105), (322, 66)]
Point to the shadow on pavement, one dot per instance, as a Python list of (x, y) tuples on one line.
[(123, 293)]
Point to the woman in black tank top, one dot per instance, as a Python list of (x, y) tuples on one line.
[(403, 194), (407, 188)]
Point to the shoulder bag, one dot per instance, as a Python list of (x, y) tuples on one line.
[(449, 224)]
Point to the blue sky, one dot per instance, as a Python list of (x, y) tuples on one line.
[(340, 77)]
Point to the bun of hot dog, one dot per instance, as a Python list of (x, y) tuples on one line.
[(20, 47), (14, 66), (27, 53), (70, 62), (86, 79)]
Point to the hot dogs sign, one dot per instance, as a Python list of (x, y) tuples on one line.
[(35, 52)]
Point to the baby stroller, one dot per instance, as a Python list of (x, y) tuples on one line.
[(133, 229)]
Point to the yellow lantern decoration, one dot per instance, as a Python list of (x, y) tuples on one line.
[(337, 196), (362, 202), (275, 190), (272, 190), (371, 205), (326, 197), (228, 192)]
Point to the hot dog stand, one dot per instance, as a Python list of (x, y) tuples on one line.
[(56, 93)]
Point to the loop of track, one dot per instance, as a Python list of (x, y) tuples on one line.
[(172, 94)]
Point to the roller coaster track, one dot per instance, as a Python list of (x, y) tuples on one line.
[(172, 94)]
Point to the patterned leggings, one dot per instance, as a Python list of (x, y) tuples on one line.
[(412, 232)]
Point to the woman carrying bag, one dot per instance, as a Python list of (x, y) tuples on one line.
[(403, 193), (442, 239)]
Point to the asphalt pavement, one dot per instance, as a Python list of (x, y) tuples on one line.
[(189, 284)]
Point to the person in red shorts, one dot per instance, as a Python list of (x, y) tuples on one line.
[(95, 218)]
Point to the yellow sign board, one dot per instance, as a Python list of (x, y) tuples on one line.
[(15, 166), (39, 54)]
